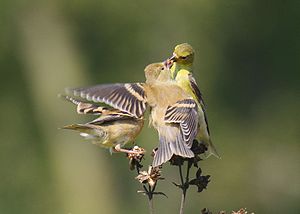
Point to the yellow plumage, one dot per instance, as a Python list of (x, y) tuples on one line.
[(181, 72)]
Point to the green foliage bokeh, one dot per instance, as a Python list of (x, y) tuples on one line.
[(247, 65)]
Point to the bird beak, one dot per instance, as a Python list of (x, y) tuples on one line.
[(173, 58), (168, 63)]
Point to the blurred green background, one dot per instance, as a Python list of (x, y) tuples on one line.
[(247, 65)]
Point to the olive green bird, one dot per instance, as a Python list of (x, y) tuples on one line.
[(173, 111), (112, 129), (181, 71)]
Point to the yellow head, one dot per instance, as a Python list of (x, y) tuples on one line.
[(183, 54)]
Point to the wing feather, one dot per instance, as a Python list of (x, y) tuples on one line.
[(199, 97), (185, 113), (127, 97), (196, 91)]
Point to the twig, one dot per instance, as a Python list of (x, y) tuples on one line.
[(148, 192), (150, 199), (183, 191), (184, 186), (151, 178)]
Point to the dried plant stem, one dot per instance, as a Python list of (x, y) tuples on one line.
[(151, 208), (184, 186), (150, 198), (149, 192)]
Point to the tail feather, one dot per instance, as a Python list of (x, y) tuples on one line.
[(211, 150), (88, 131), (163, 154), (77, 127), (179, 148), (170, 142)]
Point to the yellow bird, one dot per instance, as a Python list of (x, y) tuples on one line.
[(173, 111), (112, 129), (181, 71)]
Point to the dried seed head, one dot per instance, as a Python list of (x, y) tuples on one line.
[(201, 181), (241, 211), (136, 158), (151, 176)]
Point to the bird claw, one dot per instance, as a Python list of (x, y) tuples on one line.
[(134, 151)]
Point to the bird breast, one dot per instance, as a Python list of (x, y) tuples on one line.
[(160, 96)]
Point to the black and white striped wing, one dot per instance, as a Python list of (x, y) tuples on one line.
[(196, 91), (199, 97), (111, 118), (127, 97), (184, 112)]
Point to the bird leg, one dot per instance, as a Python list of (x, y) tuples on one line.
[(118, 148)]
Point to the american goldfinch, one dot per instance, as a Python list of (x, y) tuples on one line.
[(173, 111), (112, 129), (181, 71), (173, 114)]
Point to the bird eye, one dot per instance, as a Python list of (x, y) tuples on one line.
[(183, 57)]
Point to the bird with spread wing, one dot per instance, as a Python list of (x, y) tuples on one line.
[(173, 111), (112, 129)]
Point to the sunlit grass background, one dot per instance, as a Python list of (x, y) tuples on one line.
[(247, 65)]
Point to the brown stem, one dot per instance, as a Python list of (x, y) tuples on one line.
[(184, 186), (150, 200)]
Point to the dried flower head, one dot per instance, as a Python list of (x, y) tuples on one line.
[(201, 181), (154, 152), (198, 147), (151, 176), (177, 160), (205, 211), (136, 158), (241, 211)]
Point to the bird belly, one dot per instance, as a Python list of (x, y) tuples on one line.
[(122, 132)]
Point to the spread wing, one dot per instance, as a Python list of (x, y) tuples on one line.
[(127, 97), (184, 112), (111, 117)]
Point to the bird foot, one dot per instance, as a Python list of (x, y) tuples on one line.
[(134, 151)]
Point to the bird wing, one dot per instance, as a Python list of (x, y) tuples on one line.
[(196, 91), (127, 97), (85, 107), (111, 118), (184, 112), (199, 97)]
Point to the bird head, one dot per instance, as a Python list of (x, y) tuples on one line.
[(153, 71), (183, 54)]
